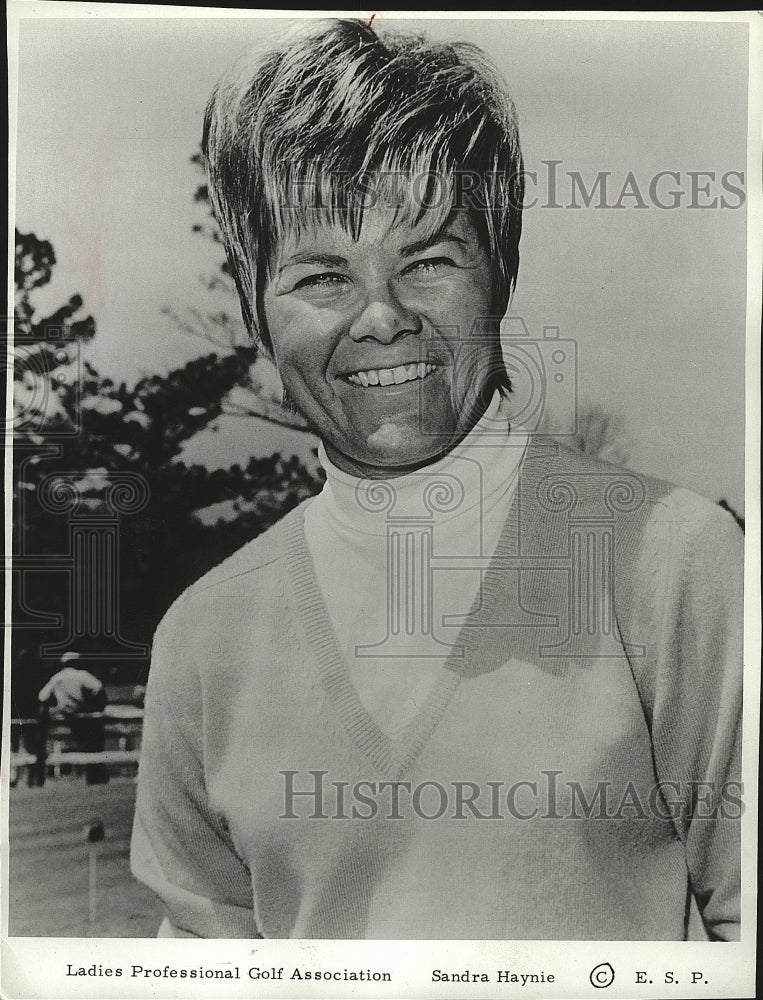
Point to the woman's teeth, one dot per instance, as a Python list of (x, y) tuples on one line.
[(392, 376)]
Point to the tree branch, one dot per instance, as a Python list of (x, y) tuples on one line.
[(236, 410)]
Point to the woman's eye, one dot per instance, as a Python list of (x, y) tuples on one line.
[(430, 266), (321, 281)]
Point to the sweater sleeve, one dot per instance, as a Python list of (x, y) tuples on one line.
[(180, 848), (697, 706)]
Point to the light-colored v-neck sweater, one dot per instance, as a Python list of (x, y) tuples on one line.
[(572, 772), (359, 537)]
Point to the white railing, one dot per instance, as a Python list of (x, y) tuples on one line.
[(54, 745)]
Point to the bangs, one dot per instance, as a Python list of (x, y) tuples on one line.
[(420, 180), (417, 195)]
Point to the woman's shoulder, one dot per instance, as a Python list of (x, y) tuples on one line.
[(247, 573), (629, 490), (658, 528)]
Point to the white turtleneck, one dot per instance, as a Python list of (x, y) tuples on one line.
[(376, 588)]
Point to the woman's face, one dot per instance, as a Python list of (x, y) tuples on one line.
[(385, 342)]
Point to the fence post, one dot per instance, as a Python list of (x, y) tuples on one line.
[(37, 771), (94, 832)]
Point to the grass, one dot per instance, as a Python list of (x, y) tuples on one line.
[(49, 862)]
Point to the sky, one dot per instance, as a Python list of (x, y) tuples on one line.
[(649, 300)]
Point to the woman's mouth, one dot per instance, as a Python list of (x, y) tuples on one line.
[(391, 376)]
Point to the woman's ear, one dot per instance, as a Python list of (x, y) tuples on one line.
[(276, 383), (266, 381)]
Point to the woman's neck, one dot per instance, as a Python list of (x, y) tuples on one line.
[(360, 470)]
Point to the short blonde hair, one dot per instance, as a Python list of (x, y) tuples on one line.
[(338, 114)]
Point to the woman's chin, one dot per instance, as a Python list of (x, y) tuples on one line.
[(393, 443), (391, 450)]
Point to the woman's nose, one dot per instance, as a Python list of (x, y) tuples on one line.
[(384, 318)]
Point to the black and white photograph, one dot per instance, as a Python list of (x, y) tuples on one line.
[(382, 503)]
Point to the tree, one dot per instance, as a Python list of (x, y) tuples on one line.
[(72, 422), (263, 392)]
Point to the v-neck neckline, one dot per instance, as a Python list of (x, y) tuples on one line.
[(394, 756)]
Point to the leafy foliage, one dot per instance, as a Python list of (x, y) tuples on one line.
[(263, 393), (72, 421)]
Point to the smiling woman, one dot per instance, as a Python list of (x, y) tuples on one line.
[(405, 158), (468, 623)]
